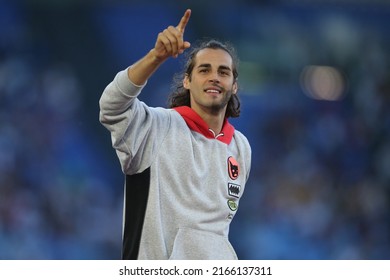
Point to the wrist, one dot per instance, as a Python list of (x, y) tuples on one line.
[(154, 58)]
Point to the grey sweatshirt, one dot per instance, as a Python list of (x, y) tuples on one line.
[(183, 183)]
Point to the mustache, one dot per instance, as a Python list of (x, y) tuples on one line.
[(218, 86)]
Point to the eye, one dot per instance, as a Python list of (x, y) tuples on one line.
[(204, 70), (224, 73)]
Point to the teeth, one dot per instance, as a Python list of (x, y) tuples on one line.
[(212, 91)]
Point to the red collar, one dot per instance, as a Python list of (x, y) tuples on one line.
[(196, 123)]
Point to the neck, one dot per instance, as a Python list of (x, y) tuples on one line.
[(214, 121)]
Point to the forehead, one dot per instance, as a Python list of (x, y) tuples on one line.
[(214, 57)]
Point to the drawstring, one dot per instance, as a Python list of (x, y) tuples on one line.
[(216, 136)]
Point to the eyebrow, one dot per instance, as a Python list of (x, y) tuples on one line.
[(208, 65)]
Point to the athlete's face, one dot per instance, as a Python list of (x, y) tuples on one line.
[(211, 83)]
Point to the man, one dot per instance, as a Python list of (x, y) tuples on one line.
[(185, 167)]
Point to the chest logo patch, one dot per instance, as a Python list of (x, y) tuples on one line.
[(233, 168), (232, 205), (234, 190)]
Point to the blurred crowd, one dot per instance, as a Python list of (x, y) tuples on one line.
[(55, 201), (320, 178), (320, 181)]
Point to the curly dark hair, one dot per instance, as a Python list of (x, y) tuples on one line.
[(181, 96)]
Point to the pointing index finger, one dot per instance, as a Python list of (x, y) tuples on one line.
[(184, 20)]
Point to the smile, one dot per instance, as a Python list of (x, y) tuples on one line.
[(213, 90)]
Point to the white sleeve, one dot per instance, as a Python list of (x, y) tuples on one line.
[(136, 129)]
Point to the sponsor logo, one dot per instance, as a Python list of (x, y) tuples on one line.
[(233, 168), (234, 189), (232, 205)]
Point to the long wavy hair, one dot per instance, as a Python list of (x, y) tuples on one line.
[(180, 96)]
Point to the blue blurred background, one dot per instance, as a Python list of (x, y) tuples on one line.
[(315, 91)]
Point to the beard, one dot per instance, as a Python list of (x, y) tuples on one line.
[(212, 106), (217, 107)]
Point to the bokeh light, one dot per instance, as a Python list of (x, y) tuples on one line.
[(323, 82)]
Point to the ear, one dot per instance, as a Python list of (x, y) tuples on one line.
[(235, 87), (186, 82)]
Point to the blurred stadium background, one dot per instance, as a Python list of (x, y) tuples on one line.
[(315, 91)]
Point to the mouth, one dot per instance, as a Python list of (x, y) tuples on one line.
[(213, 90)]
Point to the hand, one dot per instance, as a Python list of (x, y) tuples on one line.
[(170, 42)]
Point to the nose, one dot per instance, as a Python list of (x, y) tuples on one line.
[(213, 78)]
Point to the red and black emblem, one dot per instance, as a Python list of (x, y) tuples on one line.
[(233, 168)]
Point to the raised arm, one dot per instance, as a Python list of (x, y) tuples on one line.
[(169, 43)]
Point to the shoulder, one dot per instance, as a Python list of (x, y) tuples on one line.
[(241, 139)]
